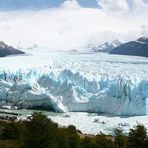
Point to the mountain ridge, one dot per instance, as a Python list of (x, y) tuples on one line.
[(107, 46), (6, 50), (133, 48)]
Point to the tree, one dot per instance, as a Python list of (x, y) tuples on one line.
[(62, 138), (120, 138), (72, 129), (88, 142), (12, 131), (137, 136), (41, 132), (73, 138), (73, 141), (103, 142)]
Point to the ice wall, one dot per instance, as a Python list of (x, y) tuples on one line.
[(65, 89)]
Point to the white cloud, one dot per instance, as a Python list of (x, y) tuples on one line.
[(70, 26), (122, 6), (137, 4), (117, 6), (70, 4)]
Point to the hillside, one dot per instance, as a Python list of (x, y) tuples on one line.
[(6, 50), (134, 48)]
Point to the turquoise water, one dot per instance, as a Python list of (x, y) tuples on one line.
[(25, 112)]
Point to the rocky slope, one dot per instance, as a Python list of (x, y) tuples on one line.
[(135, 48), (6, 50)]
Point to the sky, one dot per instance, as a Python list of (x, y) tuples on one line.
[(40, 4), (59, 24)]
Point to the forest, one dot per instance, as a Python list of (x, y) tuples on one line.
[(38, 131)]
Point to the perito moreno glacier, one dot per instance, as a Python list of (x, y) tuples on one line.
[(65, 82)]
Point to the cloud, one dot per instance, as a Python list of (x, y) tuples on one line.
[(71, 26), (122, 6), (70, 4), (137, 4), (117, 6)]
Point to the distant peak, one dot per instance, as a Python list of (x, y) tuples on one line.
[(107, 46), (143, 39), (2, 44)]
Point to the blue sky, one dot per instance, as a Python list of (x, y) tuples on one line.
[(43, 4), (39, 4)]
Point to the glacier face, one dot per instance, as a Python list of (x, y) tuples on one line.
[(76, 82)]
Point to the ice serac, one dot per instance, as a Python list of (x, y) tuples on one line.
[(64, 90)]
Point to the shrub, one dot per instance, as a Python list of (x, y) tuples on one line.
[(137, 136)]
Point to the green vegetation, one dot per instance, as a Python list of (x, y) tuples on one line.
[(40, 132)]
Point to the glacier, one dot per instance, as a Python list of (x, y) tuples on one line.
[(75, 82)]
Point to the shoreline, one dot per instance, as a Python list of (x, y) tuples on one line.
[(87, 123)]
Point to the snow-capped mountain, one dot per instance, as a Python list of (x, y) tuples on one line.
[(6, 50), (143, 40), (135, 48), (107, 46)]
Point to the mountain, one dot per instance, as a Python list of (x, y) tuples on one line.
[(135, 48), (106, 47), (6, 50)]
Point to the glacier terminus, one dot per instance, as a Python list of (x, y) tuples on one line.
[(75, 82)]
